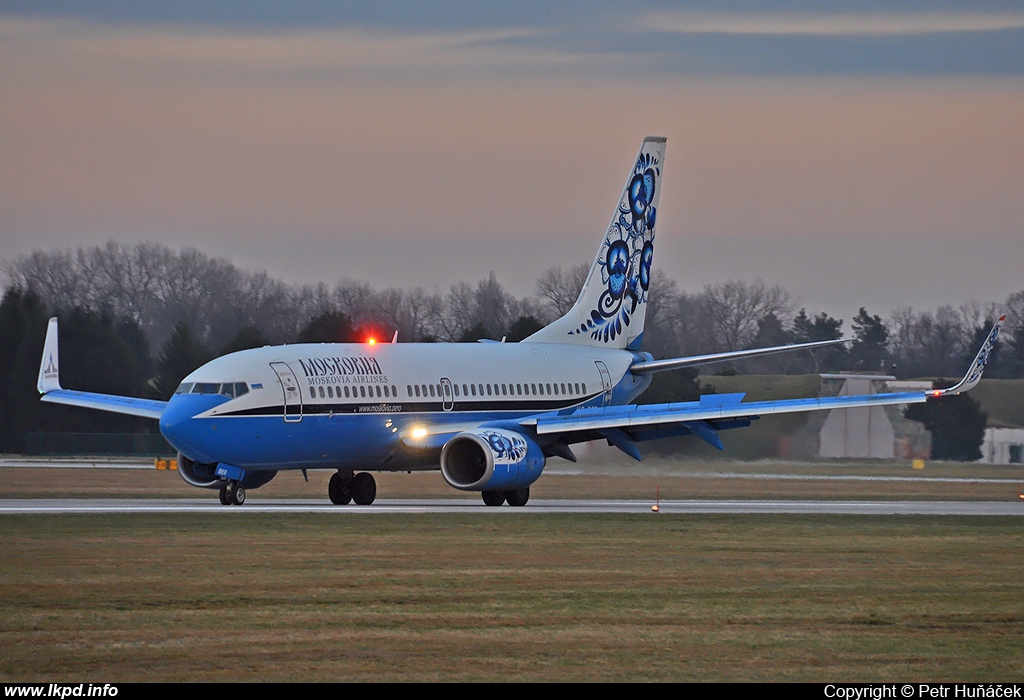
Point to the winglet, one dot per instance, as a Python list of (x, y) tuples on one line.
[(49, 368), (973, 375)]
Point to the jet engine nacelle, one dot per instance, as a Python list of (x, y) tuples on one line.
[(196, 474), (491, 459)]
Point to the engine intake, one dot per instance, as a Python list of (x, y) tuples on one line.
[(197, 474), (490, 459)]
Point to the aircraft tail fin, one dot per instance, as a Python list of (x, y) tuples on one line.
[(612, 305), (49, 366)]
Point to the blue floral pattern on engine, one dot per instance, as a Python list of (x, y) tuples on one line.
[(506, 448), (626, 255)]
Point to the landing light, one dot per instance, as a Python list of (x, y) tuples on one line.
[(418, 433)]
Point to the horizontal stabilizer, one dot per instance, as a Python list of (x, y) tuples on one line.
[(697, 360)]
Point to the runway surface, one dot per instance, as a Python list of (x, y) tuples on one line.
[(385, 506)]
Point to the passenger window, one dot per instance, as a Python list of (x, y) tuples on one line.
[(584, 387), (386, 391), (417, 390), (330, 392), (431, 389), (346, 392), (312, 392), (362, 391), (378, 391), (322, 393), (473, 387), (533, 389), (408, 389), (563, 389), (489, 390), (504, 390), (548, 387)]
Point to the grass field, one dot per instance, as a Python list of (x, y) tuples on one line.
[(494, 597)]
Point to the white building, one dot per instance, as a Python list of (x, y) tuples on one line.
[(1003, 446)]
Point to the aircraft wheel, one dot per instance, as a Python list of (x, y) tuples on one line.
[(339, 490), (364, 488), (493, 498), (518, 497), (239, 495), (224, 499)]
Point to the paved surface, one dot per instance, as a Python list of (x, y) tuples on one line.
[(257, 505)]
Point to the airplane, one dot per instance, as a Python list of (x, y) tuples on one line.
[(488, 415)]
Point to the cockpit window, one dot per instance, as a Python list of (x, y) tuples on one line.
[(231, 389)]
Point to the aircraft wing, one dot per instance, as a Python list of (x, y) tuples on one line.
[(52, 392), (623, 426), (147, 408), (647, 366)]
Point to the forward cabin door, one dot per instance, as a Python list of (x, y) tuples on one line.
[(447, 397), (292, 395), (606, 381)]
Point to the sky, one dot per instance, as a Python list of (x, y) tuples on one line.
[(855, 155)]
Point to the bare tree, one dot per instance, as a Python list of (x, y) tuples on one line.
[(558, 289)]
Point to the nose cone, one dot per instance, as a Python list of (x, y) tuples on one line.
[(180, 426)]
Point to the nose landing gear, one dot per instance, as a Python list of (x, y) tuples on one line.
[(232, 494)]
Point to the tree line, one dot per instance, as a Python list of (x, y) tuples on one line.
[(136, 319)]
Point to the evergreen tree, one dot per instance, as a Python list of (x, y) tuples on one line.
[(22, 329), (869, 347), (523, 328), (957, 425), (246, 339), (329, 327), (180, 355), (821, 327), (477, 332)]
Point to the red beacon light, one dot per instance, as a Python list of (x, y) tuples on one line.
[(371, 340)]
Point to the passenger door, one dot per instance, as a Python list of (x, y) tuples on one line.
[(292, 395)]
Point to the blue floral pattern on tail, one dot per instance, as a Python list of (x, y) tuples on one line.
[(626, 255)]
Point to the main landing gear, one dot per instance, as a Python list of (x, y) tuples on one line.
[(344, 487), (517, 497), (232, 494)]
